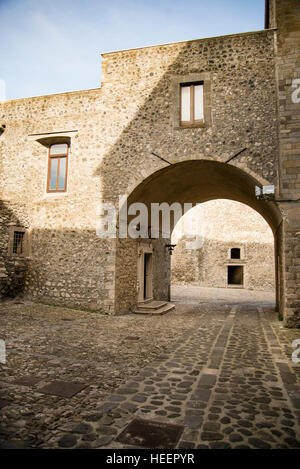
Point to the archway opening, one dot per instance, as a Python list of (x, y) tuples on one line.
[(190, 182), (224, 250)]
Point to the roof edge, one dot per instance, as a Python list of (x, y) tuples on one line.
[(51, 95), (190, 40)]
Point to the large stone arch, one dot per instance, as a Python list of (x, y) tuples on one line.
[(192, 181)]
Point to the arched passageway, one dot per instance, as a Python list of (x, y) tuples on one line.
[(223, 249), (193, 181)]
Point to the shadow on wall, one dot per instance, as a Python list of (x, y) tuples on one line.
[(138, 86), (234, 65), (61, 267), (12, 268), (146, 84), (72, 268)]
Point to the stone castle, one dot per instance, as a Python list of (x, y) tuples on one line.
[(187, 122)]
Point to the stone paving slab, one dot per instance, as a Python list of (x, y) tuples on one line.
[(27, 380), (62, 388), (144, 433)]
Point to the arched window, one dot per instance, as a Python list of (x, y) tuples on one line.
[(58, 167)]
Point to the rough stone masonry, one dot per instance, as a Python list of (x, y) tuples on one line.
[(250, 136), (231, 239)]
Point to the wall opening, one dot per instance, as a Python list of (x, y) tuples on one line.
[(200, 182), (147, 276), (235, 253), (219, 245), (235, 275)]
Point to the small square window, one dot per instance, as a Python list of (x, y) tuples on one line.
[(17, 242), (235, 253)]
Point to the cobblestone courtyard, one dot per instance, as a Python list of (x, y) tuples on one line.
[(219, 365)]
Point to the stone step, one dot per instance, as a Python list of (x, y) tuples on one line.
[(166, 308), (152, 305)]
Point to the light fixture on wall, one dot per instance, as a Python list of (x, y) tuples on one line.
[(268, 193), (265, 192), (171, 248)]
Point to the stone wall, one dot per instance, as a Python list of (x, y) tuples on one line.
[(243, 107), (115, 133), (115, 129), (287, 20), (224, 225), (243, 111), (69, 264), (127, 273)]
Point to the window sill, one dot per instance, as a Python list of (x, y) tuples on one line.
[(50, 195), (192, 126), (18, 257)]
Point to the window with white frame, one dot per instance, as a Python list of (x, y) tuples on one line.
[(191, 104)]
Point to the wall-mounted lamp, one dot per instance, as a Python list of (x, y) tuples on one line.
[(265, 192), (171, 248), (268, 193)]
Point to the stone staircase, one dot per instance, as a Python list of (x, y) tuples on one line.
[(154, 308)]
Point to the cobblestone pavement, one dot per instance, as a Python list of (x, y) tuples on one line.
[(222, 370)]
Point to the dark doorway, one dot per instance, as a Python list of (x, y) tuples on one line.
[(147, 276), (235, 275)]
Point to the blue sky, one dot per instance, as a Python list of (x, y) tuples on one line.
[(52, 46)]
